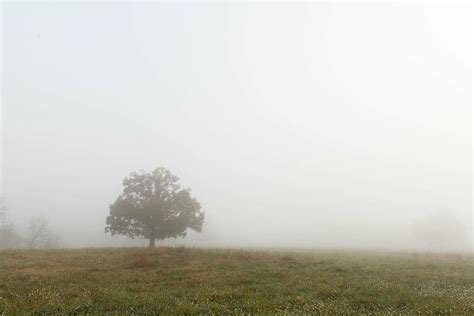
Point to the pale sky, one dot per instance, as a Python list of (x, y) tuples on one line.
[(295, 125)]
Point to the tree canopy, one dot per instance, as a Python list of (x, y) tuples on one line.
[(155, 207)]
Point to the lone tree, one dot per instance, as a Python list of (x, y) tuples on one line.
[(40, 234), (153, 206)]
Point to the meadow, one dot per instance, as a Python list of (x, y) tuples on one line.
[(221, 281)]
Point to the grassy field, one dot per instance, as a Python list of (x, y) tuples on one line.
[(184, 281)]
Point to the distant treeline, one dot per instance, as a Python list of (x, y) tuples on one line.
[(38, 235)]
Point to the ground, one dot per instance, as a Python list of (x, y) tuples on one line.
[(191, 280)]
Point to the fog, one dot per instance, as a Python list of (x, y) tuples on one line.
[(295, 125)]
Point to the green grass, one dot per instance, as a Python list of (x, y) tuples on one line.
[(190, 281)]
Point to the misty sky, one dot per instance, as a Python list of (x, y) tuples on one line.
[(309, 125)]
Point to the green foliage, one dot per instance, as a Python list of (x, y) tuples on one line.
[(203, 281), (153, 206)]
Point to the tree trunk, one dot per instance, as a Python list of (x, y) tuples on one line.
[(152, 243)]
